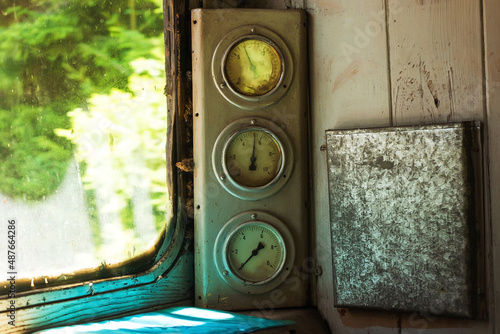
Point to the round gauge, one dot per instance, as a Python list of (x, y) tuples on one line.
[(253, 157), (255, 252), (253, 66)]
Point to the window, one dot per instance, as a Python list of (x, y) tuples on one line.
[(83, 122), (86, 173)]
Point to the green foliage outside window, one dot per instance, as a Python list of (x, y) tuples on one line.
[(82, 80), (120, 142), (53, 56)]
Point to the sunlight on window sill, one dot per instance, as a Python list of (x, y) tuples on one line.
[(176, 320)]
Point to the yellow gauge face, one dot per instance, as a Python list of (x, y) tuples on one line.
[(255, 252), (253, 67), (253, 158)]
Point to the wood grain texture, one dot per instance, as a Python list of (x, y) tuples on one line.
[(436, 76), (436, 61), (349, 87), (176, 286), (348, 68), (491, 12)]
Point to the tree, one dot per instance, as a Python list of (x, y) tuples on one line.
[(54, 55)]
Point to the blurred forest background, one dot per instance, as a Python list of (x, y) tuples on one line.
[(81, 83)]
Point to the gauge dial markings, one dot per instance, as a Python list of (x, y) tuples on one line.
[(253, 158), (255, 252), (253, 67)]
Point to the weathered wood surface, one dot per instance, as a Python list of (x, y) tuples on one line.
[(175, 287), (349, 87), (437, 75), (436, 61), (491, 12), (393, 62)]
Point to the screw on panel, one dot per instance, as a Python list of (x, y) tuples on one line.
[(252, 30), (223, 177), (253, 216), (318, 271), (253, 122), (225, 272), (223, 85)]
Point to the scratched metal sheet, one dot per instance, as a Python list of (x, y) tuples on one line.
[(402, 218)]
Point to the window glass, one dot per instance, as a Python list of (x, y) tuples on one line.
[(82, 132)]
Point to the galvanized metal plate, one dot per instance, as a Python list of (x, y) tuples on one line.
[(402, 212)]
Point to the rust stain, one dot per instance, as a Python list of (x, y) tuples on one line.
[(347, 74), (434, 93), (186, 165), (424, 76)]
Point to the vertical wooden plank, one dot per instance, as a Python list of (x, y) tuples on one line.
[(348, 64), (491, 10), (436, 61), (349, 88), (436, 75)]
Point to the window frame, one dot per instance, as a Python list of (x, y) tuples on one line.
[(156, 279)]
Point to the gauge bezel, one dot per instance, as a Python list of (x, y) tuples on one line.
[(228, 263), (237, 134), (250, 38), (220, 252), (252, 102), (219, 158)]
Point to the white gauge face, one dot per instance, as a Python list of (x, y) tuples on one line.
[(255, 252), (254, 157)]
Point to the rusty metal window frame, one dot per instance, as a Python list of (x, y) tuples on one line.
[(115, 290)]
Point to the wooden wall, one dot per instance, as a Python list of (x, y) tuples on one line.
[(382, 63), (401, 62)]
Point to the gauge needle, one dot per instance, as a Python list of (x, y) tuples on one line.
[(253, 158), (252, 66), (254, 253)]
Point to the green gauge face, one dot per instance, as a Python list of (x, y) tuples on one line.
[(254, 157), (253, 67), (255, 252)]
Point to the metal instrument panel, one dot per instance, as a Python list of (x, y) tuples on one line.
[(403, 217), (221, 115)]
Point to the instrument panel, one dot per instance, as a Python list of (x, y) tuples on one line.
[(250, 155)]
